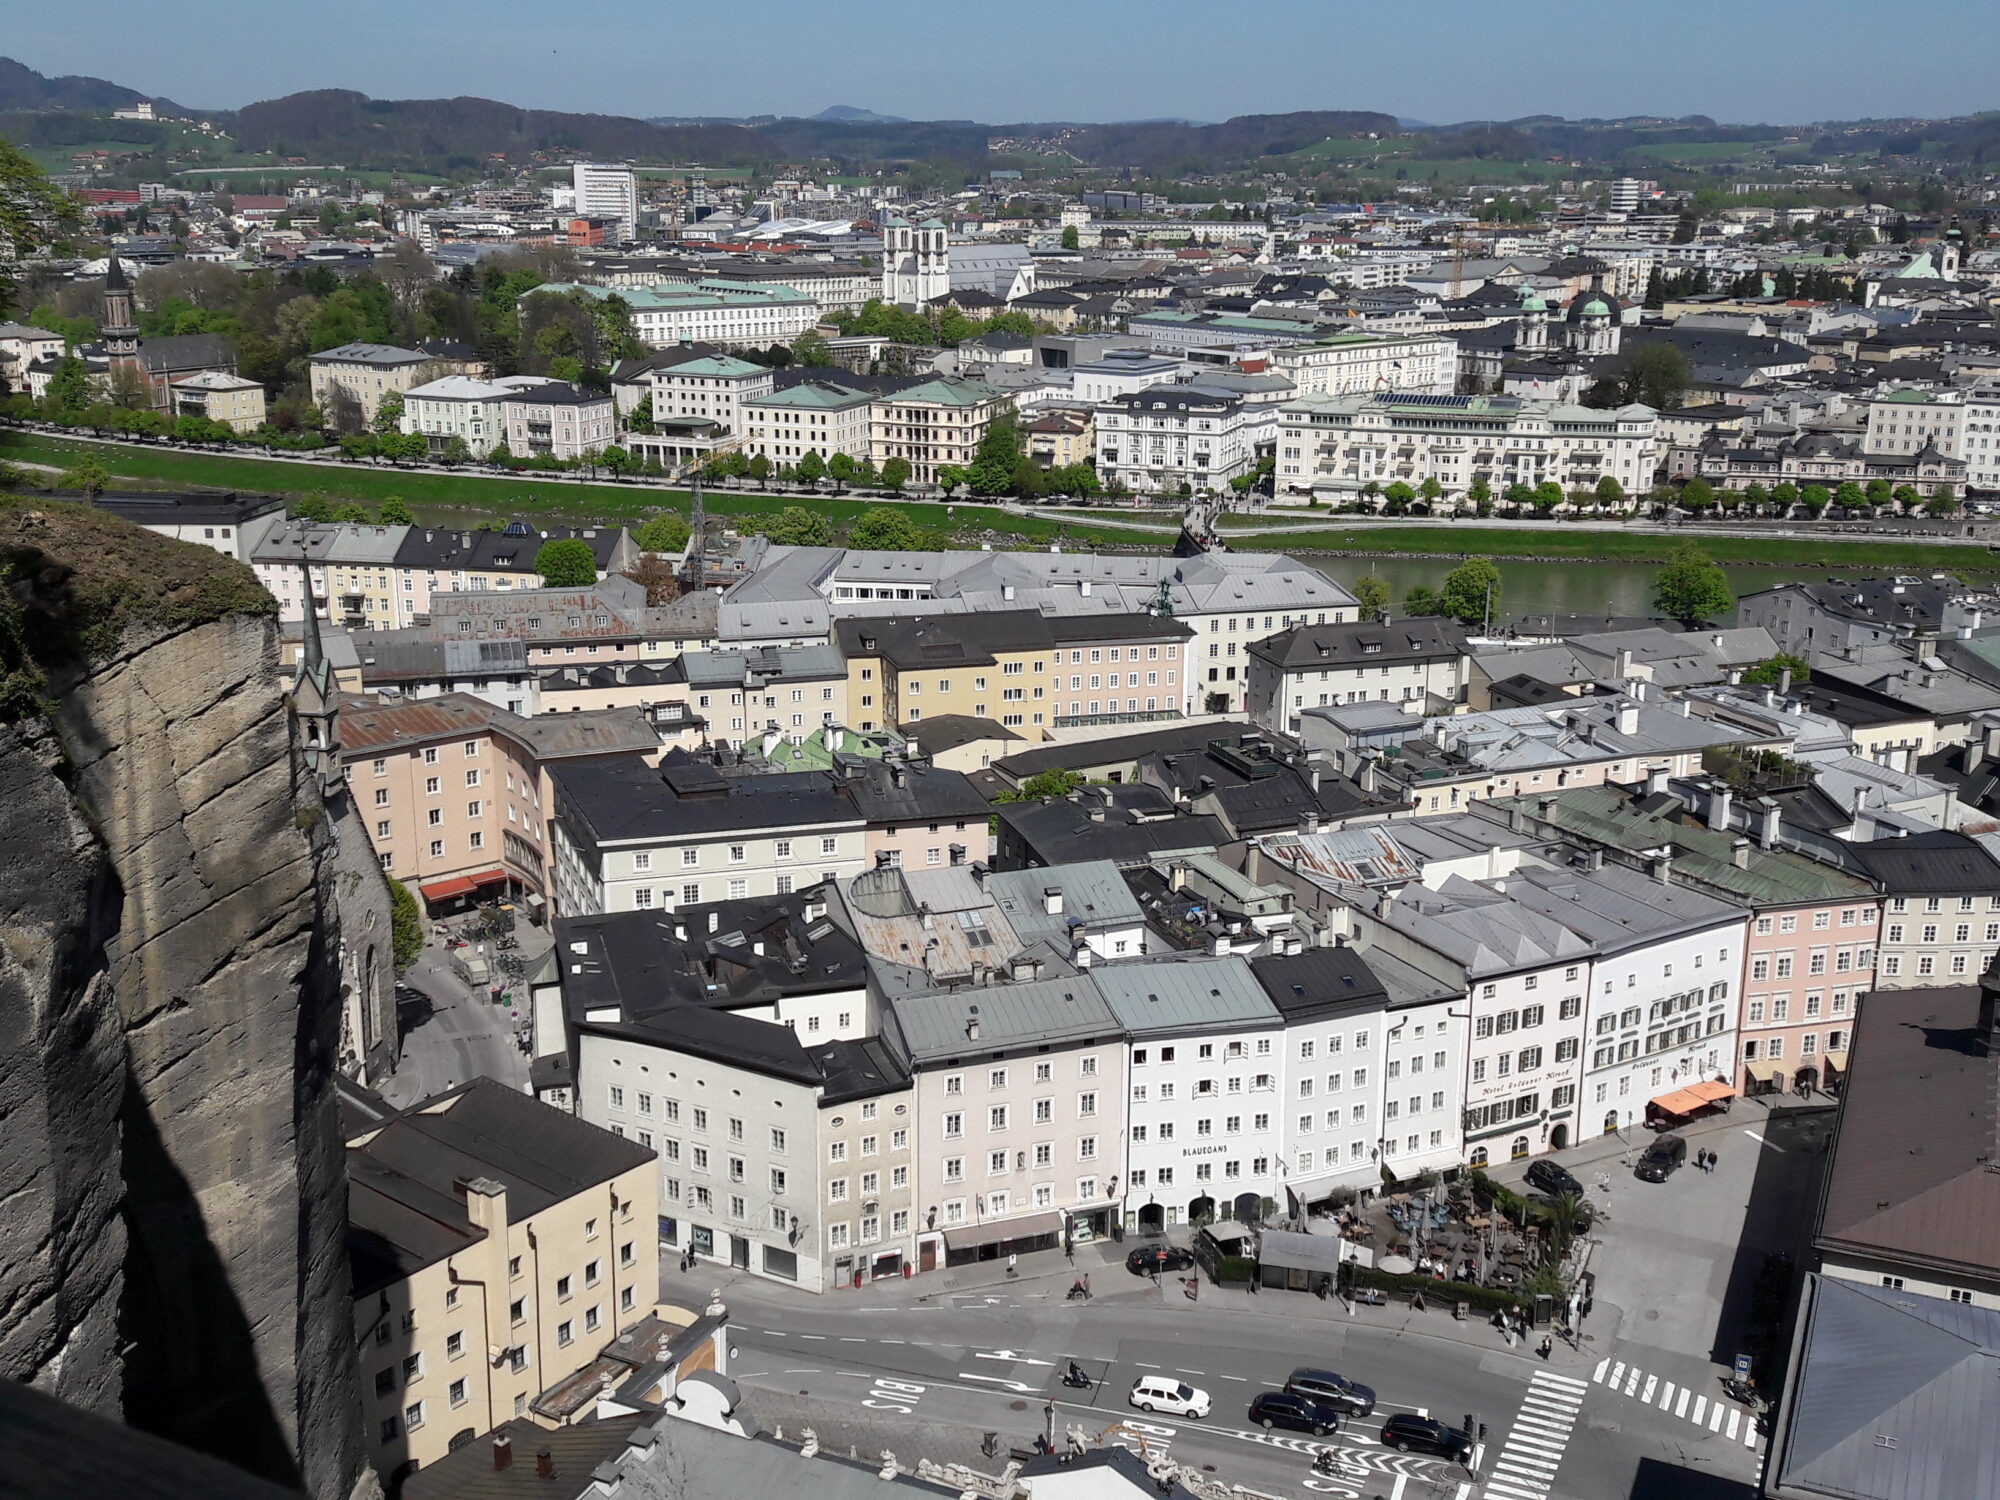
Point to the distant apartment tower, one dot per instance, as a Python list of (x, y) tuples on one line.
[(916, 262), (607, 192), (1625, 194)]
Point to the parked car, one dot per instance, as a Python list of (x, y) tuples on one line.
[(1408, 1433), (1661, 1159), (1156, 1258), (1301, 1413), (1333, 1390), (1175, 1397), (1553, 1179)]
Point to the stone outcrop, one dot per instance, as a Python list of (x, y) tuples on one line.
[(172, 1197)]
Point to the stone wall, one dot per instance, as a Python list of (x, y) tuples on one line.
[(172, 1244)]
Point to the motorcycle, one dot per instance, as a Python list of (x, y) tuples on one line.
[(1076, 1380), (1740, 1391)]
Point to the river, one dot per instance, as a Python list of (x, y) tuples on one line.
[(1582, 588)]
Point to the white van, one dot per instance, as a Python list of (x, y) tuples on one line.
[(1174, 1397)]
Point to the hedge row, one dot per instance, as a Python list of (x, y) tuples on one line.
[(1438, 1294)]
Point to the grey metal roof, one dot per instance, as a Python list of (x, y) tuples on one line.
[(1050, 1011), (1094, 894), (711, 669), (1186, 993), (1616, 908), (1894, 1397), (1482, 929)]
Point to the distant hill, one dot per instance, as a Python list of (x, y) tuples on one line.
[(22, 88), (848, 114), (350, 128)]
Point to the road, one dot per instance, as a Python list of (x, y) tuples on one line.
[(461, 1036), (875, 1369)]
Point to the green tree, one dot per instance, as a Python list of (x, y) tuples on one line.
[(1691, 588), (1878, 492), (1610, 493), (310, 508), (1784, 495), (667, 532), (1422, 601), (885, 528), (1396, 498), (406, 925), (795, 526), (811, 467), (1698, 495), (1942, 502), (353, 513), (568, 563), (396, 511), (1372, 594), (388, 416), (1470, 593), (86, 474), (895, 473), (1850, 496), (1756, 496), (1906, 496), (1069, 237), (1054, 782), (1431, 490), (811, 349), (1815, 499), (34, 213), (1548, 495), (993, 464), (1767, 672), (1655, 375), (68, 389), (950, 477)]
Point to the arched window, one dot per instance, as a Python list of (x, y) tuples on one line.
[(1520, 1148)]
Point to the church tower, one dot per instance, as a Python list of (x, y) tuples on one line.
[(916, 262), (316, 699), (120, 331), (1534, 335)]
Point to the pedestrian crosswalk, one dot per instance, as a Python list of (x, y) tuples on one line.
[(1712, 1414), (1526, 1465)]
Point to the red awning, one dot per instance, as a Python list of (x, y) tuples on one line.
[(459, 885)]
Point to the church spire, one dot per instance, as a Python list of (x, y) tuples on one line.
[(316, 697)]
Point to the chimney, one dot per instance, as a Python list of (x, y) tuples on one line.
[(1739, 853), (1007, 592), (1517, 817), (1083, 588), (972, 1026), (1218, 944), (503, 1451), (1719, 798), (1314, 778), (1052, 900), (1663, 867), (1384, 899), (1081, 955), (1622, 665), (1767, 830), (1656, 780), (1785, 682), (545, 1464), (1970, 754), (1309, 823), (978, 874), (1594, 859), (1628, 718), (1368, 778)]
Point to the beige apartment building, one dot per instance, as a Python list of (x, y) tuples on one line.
[(498, 1246), (452, 788), (367, 373), (935, 425), (220, 397)]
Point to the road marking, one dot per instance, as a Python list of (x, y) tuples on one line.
[(820, 1337), (1749, 1433), (1464, 1491), (1144, 1366), (802, 1372), (1239, 1379), (1396, 1489), (1602, 1366), (1764, 1143), (1019, 1359), (1733, 1414), (848, 1338), (1715, 1418), (1012, 1385), (1667, 1389), (1652, 1381), (892, 1341), (773, 1333), (1187, 1372), (1548, 1378), (1632, 1381), (1618, 1374)]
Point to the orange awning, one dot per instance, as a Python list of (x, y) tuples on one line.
[(1695, 1096), (460, 885)]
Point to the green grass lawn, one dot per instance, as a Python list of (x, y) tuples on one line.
[(510, 496)]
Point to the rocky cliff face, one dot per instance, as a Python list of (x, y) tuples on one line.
[(172, 1197)]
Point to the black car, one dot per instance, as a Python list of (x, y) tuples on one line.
[(1413, 1434), (1283, 1409), (1155, 1258), (1553, 1179), (1661, 1159), (1333, 1390)]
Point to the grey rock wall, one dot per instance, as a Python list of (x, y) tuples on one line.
[(172, 1193)]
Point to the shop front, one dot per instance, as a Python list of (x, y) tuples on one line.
[(998, 1238)]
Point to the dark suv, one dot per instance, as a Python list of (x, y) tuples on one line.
[(1283, 1409), (1332, 1390), (1661, 1159), (1553, 1179), (1413, 1434), (1158, 1258)]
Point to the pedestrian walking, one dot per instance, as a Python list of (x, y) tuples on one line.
[(1712, 1159), (1547, 1345), (1012, 1259)]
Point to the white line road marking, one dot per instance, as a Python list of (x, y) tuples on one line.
[(802, 1372), (1513, 1490), (1618, 1374), (1548, 1378), (1750, 1434), (1733, 1415), (1632, 1381), (1239, 1379), (819, 1337), (1764, 1143), (1464, 1491), (1177, 1372), (1681, 1406), (773, 1333), (1396, 1489), (1012, 1385), (1666, 1394), (1602, 1366), (1700, 1409), (1715, 1417), (1652, 1382), (1144, 1366), (892, 1341), (848, 1338), (1019, 1359)]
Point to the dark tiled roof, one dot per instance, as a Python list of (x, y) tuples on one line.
[(468, 1474), (1361, 644), (1938, 863), (1912, 1175), (628, 799), (1318, 982)]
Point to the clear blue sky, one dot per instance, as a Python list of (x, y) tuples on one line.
[(1437, 60)]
